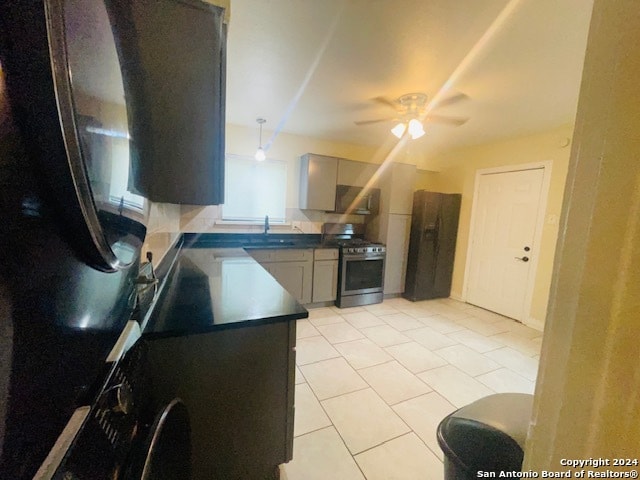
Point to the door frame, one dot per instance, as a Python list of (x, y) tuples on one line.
[(540, 221)]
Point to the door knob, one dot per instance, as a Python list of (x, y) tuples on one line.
[(522, 259)]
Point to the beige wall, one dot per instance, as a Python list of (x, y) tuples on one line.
[(459, 177), (166, 219), (587, 401), (226, 4), (428, 180), (286, 148)]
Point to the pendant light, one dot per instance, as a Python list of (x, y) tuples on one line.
[(260, 153)]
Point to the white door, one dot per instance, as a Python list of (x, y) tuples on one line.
[(502, 245)]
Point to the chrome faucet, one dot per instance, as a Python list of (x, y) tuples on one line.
[(266, 224)]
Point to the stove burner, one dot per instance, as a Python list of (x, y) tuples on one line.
[(349, 239), (353, 242)]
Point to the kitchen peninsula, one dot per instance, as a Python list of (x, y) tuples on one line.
[(223, 335)]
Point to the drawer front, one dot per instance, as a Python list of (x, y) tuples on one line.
[(293, 255), (325, 254), (261, 256)]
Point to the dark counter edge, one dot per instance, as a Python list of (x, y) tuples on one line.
[(248, 323), (223, 240), (252, 240)]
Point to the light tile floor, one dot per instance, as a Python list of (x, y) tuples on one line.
[(373, 382)]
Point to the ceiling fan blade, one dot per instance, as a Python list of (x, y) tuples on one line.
[(385, 101), (451, 100), (457, 121), (377, 120)]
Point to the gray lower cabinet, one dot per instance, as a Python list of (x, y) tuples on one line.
[(238, 384), (325, 274), (295, 277), (292, 268), (310, 275)]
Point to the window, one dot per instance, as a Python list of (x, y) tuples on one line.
[(119, 187), (254, 189)]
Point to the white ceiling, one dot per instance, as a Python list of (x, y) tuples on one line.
[(312, 67)]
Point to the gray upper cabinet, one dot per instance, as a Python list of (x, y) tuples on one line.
[(318, 178), (174, 80), (356, 174)]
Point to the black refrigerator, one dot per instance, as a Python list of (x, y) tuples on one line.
[(432, 245)]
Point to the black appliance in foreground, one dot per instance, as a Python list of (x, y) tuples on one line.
[(361, 265), (432, 245), (71, 403)]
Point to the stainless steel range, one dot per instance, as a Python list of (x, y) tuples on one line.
[(361, 265)]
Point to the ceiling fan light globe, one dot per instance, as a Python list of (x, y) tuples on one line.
[(415, 129), (398, 130)]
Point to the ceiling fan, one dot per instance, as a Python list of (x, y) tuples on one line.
[(410, 113)]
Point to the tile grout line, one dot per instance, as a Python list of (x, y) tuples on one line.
[(336, 430), (413, 398), (369, 386), (387, 441), (424, 443), (342, 394), (413, 374)]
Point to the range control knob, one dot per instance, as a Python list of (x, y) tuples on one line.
[(120, 399)]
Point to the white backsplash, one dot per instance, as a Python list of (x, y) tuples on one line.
[(167, 221), (163, 227), (201, 219)]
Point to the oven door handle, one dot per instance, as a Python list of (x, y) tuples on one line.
[(363, 257)]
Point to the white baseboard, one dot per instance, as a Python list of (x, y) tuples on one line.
[(534, 323), (456, 296)]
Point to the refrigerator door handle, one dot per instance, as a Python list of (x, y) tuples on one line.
[(438, 232)]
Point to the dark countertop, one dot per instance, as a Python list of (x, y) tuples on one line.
[(253, 240), (217, 288)]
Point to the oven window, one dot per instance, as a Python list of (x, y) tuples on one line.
[(363, 274)]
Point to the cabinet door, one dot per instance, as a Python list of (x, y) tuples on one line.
[(355, 174), (398, 230), (295, 277), (325, 280), (176, 83), (318, 175), (237, 404), (401, 188)]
